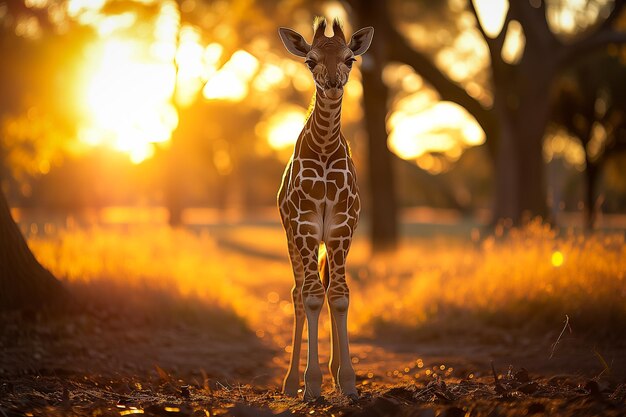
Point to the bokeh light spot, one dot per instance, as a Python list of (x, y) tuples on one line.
[(557, 259)]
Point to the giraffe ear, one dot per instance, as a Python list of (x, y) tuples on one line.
[(294, 42), (361, 40)]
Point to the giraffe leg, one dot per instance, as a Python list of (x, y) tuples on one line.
[(313, 295), (333, 363), (339, 300), (291, 383)]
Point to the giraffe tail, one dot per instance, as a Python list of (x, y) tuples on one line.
[(323, 266)]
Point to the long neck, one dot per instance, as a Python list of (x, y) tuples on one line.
[(322, 129)]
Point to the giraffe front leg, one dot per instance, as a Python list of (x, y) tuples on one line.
[(313, 295), (291, 383), (338, 301), (333, 363), (313, 372)]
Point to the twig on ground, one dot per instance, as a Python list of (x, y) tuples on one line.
[(606, 368), (499, 388), (224, 387), (424, 391), (565, 326)]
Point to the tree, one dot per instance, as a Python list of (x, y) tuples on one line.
[(590, 106), (24, 282), (516, 122), (383, 214)]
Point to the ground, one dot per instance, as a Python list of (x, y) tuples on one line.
[(205, 330)]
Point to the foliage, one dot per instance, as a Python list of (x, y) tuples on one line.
[(512, 281)]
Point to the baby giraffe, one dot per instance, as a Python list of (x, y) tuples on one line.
[(319, 205)]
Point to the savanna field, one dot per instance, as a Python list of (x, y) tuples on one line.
[(143, 266), (198, 320)]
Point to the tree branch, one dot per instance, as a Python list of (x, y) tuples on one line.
[(618, 5), (604, 35), (400, 51), (590, 44), (535, 24)]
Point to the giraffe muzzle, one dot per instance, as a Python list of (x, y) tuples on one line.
[(334, 93)]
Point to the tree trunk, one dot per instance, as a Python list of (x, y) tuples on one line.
[(383, 210), (591, 174), (24, 283), (173, 184), (520, 184), (506, 193), (522, 103), (531, 166), (173, 200)]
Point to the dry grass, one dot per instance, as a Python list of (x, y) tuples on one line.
[(512, 281), (159, 258), (530, 278)]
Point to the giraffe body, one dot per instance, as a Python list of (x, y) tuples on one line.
[(319, 204)]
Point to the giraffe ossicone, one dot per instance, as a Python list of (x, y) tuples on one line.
[(319, 205)]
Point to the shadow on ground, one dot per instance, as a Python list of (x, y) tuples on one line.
[(145, 351)]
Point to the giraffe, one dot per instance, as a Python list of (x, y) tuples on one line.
[(319, 207)]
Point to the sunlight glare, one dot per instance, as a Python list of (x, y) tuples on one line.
[(491, 14), (109, 24), (231, 81), (473, 134), (573, 16), (36, 4), (270, 76), (127, 83), (78, 7), (284, 127), (127, 100), (190, 65), (561, 145), (514, 43), (212, 54), (337, 10), (441, 127)]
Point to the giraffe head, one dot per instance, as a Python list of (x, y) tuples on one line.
[(329, 58)]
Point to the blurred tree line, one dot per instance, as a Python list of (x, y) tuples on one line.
[(557, 83), (523, 95)]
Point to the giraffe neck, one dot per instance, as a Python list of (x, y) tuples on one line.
[(322, 130)]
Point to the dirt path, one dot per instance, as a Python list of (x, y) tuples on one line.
[(107, 363)]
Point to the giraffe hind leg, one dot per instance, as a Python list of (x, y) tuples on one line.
[(291, 383)]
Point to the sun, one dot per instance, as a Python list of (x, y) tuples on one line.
[(127, 100), (131, 88), (125, 91)]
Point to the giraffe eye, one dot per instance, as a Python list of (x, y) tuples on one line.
[(310, 63), (349, 62)]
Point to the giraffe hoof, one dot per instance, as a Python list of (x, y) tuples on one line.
[(315, 400), (353, 398), (291, 387)]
